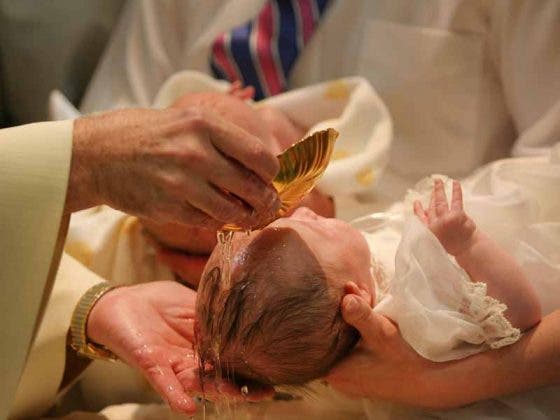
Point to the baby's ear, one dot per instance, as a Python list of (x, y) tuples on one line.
[(351, 288)]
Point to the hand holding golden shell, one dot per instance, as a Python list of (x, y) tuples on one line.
[(301, 166)]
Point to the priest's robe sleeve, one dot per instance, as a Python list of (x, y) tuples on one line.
[(34, 168), (43, 373)]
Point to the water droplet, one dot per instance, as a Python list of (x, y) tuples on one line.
[(245, 390)]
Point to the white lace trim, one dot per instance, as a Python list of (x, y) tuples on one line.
[(489, 314)]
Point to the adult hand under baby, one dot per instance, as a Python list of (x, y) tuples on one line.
[(383, 365), (187, 266), (151, 327), (182, 165)]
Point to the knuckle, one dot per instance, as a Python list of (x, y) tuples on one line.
[(172, 183), (459, 217), (257, 151), (225, 211), (144, 359), (196, 217), (193, 118), (249, 186), (194, 156)]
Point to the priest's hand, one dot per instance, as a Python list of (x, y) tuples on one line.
[(151, 327), (180, 165)]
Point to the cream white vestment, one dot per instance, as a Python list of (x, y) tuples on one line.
[(34, 168)]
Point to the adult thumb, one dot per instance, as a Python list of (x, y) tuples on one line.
[(357, 312)]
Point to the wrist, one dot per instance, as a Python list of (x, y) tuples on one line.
[(81, 341), (99, 318), (466, 252), (82, 190)]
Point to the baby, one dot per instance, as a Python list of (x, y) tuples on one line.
[(273, 127), (277, 320)]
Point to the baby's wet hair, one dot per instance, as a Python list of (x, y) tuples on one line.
[(280, 321)]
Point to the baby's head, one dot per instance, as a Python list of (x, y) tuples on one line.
[(278, 321)]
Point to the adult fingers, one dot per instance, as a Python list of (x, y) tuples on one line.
[(236, 179), (188, 267), (235, 86), (432, 207), (357, 312), (216, 203), (440, 199), (164, 381), (248, 92), (184, 213), (216, 389), (242, 146), (457, 196)]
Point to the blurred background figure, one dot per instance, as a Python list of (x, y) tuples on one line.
[(480, 78), (46, 45)]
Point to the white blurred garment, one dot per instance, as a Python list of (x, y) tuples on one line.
[(465, 81)]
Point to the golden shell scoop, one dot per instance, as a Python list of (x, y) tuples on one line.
[(301, 166)]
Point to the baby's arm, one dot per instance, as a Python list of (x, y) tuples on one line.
[(480, 256)]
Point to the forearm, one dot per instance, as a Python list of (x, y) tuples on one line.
[(532, 362), (486, 261)]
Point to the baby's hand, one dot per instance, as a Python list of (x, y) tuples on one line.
[(450, 224)]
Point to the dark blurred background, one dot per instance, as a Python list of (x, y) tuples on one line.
[(46, 45)]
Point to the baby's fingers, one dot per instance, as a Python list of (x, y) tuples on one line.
[(420, 212), (440, 199), (432, 208), (457, 196)]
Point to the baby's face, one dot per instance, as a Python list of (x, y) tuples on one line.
[(340, 250)]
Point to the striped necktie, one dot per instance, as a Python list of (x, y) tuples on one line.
[(262, 52)]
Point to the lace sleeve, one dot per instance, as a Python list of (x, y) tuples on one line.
[(441, 313), (489, 314)]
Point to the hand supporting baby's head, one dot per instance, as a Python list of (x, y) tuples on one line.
[(278, 320)]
